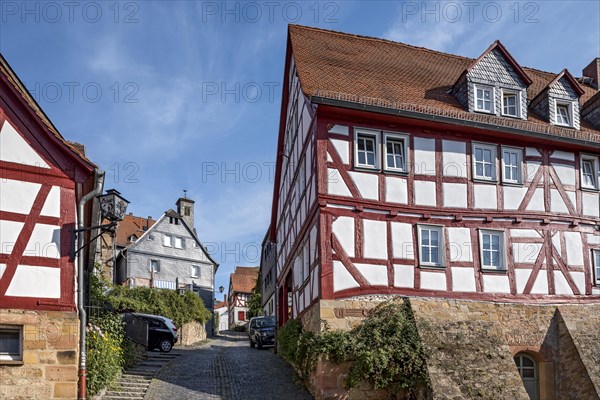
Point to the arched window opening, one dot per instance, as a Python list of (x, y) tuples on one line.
[(528, 370)]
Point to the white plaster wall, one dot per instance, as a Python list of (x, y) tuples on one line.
[(367, 184), (485, 196), (375, 239), (425, 193), (541, 283), (537, 201), (2, 269), (315, 282), (44, 241), (343, 229), (532, 152), (579, 278), (526, 253), (454, 158), (513, 196), (34, 281), (521, 277), (335, 184), (590, 204), (556, 244), (17, 196), (341, 278), (9, 232), (496, 284), (460, 244), (424, 156), (560, 284), (341, 146), (13, 148), (51, 207), (463, 280), (563, 155), (404, 276), (574, 248), (339, 129), (524, 233), (531, 169), (396, 190), (402, 241), (455, 195), (557, 204), (433, 280), (565, 173), (593, 239), (376, 275)]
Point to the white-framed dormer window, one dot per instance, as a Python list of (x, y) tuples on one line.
[(491, 247), (596, 262), (484, 161), (512, 165), (431, 245), (178, 242), (195, 272), (11, 344), (155, 266), (366, 148), (167, 240), (564, 113), (511, 102), (395, 152), (589, 172), (484, 98)]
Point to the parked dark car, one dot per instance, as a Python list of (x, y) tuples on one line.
[(261, 331), (162, 332)]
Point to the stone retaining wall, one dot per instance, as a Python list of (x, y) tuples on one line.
[(191, 333), (50, 356)]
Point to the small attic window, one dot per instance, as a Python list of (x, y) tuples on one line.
[(484, 99), (132, 238), (511, 101), (564, 114)]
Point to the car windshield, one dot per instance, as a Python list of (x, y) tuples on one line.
[(265, 322)]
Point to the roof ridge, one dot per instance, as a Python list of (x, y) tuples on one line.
[(340, 33)]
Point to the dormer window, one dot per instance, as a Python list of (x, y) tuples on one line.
[(589, 172), (564, 114), (484, 99), (510, 103)]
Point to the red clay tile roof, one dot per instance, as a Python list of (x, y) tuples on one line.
[(221, 304), (132, 225), (243, 279), (394, 75)]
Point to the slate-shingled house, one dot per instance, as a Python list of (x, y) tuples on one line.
[(468, 185)]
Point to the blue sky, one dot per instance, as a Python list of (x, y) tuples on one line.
[(180, 95)]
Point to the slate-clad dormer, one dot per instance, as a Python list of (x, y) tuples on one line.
[(559, 101), (494, 84)]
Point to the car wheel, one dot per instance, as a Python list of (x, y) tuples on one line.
[(259, 344), (251, 343), (165, 345)]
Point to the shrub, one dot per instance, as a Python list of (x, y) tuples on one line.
[(105, 336), (384, 350)]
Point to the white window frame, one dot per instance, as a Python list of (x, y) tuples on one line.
[(485, 146), (492, 98), (392, 136), (167, 240), (596, 264), (180, 240), (192, 272), (519, 152), (594, 160), (441, 246), (569, 105), (13, 358), (151, 267), (502, 250), (360, 132), (517, 95)]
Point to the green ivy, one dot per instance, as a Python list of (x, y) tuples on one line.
[(255, 302), (384, 350), (104, 344)]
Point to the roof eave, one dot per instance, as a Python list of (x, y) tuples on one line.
[(450, 120)]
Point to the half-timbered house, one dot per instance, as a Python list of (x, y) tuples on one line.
[(42, 179), (403, 171), (241, 283)]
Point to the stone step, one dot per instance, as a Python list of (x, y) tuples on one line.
[(124, 395), (140, 378), (131, 384), (117, 397)]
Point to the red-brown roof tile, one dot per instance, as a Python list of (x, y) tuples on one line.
[(132, 225), (388, 74), (243, 279)]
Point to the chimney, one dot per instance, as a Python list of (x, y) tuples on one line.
[(185, 208), (593, 71)]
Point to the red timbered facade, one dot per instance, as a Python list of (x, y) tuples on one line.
[(406, 171), (42, 177), (241, 284)]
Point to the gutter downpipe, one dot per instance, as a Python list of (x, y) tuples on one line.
[(81, 394)]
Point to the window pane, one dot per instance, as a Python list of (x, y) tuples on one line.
[(488, 170), (9, 342), (434, 238), (390, 161), (486, 258), (361, 144), (370, 159), (425, 254), (361, 158), (425, 235)]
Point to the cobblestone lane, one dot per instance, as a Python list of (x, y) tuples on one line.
[(227, 368)]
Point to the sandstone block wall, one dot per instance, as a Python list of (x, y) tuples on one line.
[(50, 356), (191, 333)]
